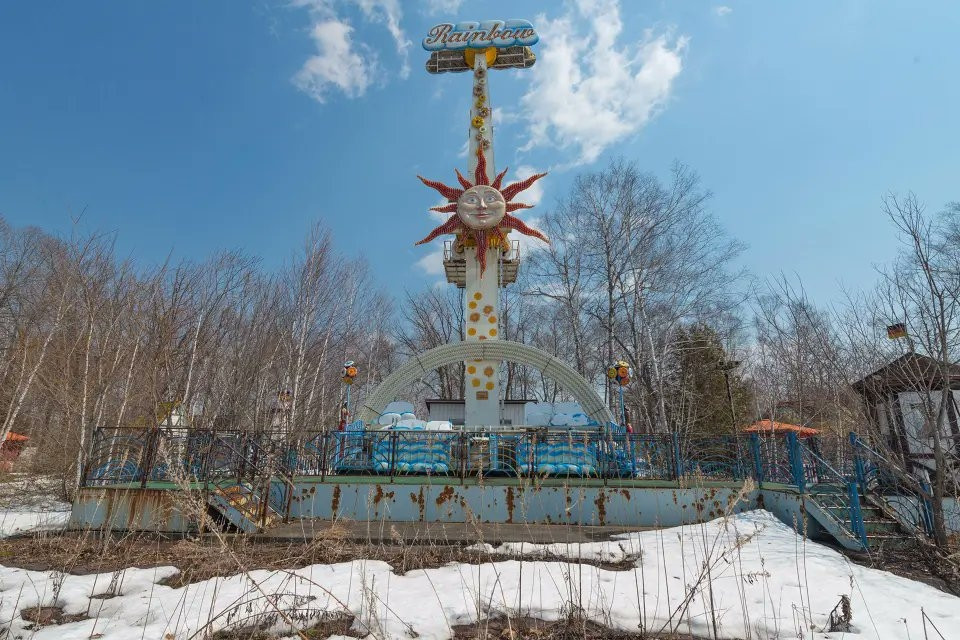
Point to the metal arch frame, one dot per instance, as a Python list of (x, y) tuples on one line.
[(502, 350)]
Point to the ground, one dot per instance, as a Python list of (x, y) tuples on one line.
[(748, 575), (31, 503)]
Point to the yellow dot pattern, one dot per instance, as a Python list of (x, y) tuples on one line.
[(481, 325)]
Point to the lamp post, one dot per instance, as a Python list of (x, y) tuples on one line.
[(726, 366)]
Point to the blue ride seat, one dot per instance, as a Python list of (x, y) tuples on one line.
[(563, 457), (417, 451)]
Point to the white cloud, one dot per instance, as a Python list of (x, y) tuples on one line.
[(722, 10), (534, 194), (588, 90), (389, 13), (432, 263), (339, 63), (443, 6)]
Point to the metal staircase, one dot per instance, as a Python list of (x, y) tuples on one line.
[(853, 521), (859, 510), (242, 506), (252, 494)]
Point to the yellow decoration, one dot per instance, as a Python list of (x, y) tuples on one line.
[(478, 296), (488, 309), (477, 122), (471, 331), (471, 369), (492, 319), (489, 386), (488, 371), (612, 373), (470, 56), (493, 332), (474, 317), (475, 382), (472, 304)]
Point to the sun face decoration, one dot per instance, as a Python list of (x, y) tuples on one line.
[(482, 209)]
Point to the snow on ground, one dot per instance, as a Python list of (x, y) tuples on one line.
[(765, 582), (28, 504)]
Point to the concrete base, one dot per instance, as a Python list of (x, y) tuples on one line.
[(619, 504)]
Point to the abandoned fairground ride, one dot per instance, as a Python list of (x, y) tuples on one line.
[(486, 459)]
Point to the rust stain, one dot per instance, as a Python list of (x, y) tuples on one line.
[(421, 503), (625, 493), (335, 502), (379, 495), (445, 495), (510, 505), (601, 503)]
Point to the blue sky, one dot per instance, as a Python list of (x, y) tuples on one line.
[(193, 127)]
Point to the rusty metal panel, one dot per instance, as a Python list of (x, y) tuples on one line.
[(113, 509), (522, 502)]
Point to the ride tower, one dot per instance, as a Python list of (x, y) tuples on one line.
[(481, 259)]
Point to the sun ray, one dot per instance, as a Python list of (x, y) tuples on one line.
[(480, 174), (499, 179), (513, 206), (463, 181), (447, 208), (511, 190), (448, 192), (450, 226), (482, 238), (511, 222)]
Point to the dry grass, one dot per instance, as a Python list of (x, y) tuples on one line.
[(45, 616), (523, 628), (329, 625), (203, 559)]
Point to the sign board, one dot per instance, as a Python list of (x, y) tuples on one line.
[(480, 35)]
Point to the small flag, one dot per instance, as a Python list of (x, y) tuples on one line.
[(898, 330)]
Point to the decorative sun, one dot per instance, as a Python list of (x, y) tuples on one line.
[(482, 209)]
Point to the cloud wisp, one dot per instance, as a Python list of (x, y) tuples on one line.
[(341, 63), (590, 89)]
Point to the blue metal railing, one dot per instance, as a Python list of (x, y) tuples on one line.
[(908, 498), (838, 494), (125, 456)]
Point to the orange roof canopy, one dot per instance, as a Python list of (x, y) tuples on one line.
[(770, 426)]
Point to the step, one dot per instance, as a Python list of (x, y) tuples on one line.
[(888, 540), (881, 527)]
